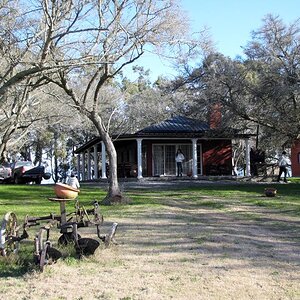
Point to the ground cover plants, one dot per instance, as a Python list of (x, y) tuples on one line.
[(210, 241)]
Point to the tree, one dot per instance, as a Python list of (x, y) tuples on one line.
[(20, 112), (261, 89), (81, 46), (273, 58), (25, 42), (145, 103), (125, 28)]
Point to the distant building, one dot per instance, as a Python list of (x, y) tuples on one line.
[(295, 158), (150, 152)]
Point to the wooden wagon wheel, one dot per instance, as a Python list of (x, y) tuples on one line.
[(44, 252), (9, 234)]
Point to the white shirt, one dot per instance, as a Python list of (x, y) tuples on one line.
[(179, 157), (283, 161), (73, 182)]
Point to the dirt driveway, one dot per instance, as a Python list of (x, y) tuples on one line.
[(180, 251)]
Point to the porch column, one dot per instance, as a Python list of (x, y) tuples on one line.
[(248, 173), (103, 158), (83, 166), (89, 164), (95, 162), (139, 159), (78, 166), (194, 166)]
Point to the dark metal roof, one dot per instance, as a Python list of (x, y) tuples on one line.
[(177, 127), (178, 124)]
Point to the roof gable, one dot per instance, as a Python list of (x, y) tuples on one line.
[(178, 124)]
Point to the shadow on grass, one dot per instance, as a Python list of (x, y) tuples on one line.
[(194, 231)]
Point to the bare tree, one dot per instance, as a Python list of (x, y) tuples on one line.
[(26, 36), (81, 45), (125, 29), (17, 114), (30, 29)]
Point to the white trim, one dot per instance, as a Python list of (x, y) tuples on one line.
[(103, 158), (194, 153), (83, 165), (96, 175), (78, 166), (247, 146), (89, 164), (139, 159)]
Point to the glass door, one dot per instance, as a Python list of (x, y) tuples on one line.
[(164, 160), (158, 160), (170, 164)]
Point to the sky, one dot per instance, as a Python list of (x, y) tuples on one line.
[(230, 23)]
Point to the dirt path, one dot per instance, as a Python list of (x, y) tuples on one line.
[(180, 251)]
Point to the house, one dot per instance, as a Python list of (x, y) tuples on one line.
[(150, 152), (295, 158)]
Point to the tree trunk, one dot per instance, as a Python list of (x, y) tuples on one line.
[(114, 194), (5, 139)]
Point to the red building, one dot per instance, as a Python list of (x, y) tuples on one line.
[(295, 158), (150, 152)]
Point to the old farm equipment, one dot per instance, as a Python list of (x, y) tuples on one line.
[(11, 234)]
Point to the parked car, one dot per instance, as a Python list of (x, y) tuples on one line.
[(5, 171), (25, 172)]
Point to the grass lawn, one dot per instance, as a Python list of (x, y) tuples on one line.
[(33, 199), (192, 207)]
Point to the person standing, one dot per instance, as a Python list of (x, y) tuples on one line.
[(179, 158), (283, 164)]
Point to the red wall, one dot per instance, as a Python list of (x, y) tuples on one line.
[(295, 157), (217, 157)]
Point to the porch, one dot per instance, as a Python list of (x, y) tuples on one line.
[(156, 158), (151, 152)]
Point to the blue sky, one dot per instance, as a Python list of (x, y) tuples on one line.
[(230, 23)]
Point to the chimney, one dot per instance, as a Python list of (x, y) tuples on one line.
[(215, 116)]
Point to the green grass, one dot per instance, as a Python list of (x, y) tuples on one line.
[(294, 179), (33, 200)]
